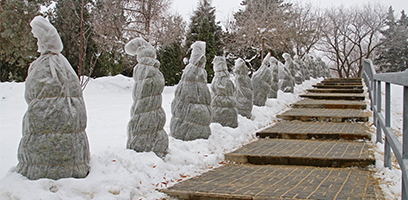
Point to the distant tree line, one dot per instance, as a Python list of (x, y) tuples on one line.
[(94, 33)]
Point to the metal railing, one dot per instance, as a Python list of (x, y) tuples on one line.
[(383, 123)]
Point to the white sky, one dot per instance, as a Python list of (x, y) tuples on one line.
[(225, 8)]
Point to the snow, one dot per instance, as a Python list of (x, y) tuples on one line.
[(389, 179), (119, 173)]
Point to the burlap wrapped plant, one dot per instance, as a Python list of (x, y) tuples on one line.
[(223, 102), (54, 143), (302, 67), (261, 82), (293, 68), (243, 85), (273, 93), (311, 63), (191, 106), (145, 128), (286, 81)]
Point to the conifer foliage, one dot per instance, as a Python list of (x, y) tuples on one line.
[(393, 52), (204, 28), (17, 44)]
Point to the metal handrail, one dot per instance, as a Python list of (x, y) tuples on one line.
[(383, 123)]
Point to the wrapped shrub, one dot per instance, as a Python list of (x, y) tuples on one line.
[(312, 66), (302, 67), (243, 94), (54, 143), (145, 128), (293, 68), (223, 102), (273, 93), (261, 82), (286, 81), (191, 106)]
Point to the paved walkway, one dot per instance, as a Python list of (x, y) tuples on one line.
[(324, 154)]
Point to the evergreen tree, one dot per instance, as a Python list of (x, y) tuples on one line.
[(393, 53), (17, 45), (67, 21), (171, 62), (108, 26), (204, 28), (204, 34)]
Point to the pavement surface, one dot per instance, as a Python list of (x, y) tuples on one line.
[(326, 115), (243, 181), (316, 130), (340, 104), (318, 151)]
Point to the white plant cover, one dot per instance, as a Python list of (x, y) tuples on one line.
[(243, 93), (312, 66), (293, 68), (223, 103), (286, 81), (145, 128), (319, 67), (191, 106), (54, 144), (302, 67), (261, 82), (273, 93), (322, 68)]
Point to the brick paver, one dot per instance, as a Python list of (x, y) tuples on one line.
[(334, 96), (335, 104), (328, 115), (316, 130), (297, 166), (303, 152), (236, 181)]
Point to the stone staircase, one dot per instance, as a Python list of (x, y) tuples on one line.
[(318, 151)]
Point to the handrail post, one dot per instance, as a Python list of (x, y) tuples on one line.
[(404, 192), (387, 147), (378, 111), (405, 125)]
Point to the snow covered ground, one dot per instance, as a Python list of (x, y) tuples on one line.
[(119, 173), (389, 180)]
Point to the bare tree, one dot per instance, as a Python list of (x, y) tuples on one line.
[(263, 24), (108, 24), (307, 28), (169, 29), (350, 35), (142, 15)]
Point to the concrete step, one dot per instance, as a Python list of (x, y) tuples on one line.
[(321, 85), (334, 104), (317, 153), (342, 81), (332, 90), (325, 115), (334, 96), (316, 130), (237, 181)]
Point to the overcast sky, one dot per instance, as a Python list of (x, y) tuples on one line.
[(225, 8)]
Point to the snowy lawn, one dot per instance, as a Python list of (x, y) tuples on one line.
[(119, 173)]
